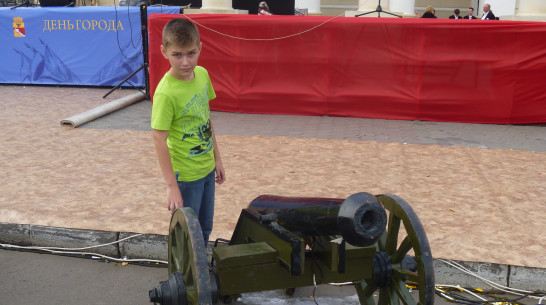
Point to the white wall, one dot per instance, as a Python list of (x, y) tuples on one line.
[(499, 7), (531, 7)]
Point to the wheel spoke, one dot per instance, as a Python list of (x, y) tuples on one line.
[(188, 275), (176, 249), (403, 293), (365, 290), (191, 295), (394, 299), (404, 248), (404, 274), (384, 296), (382, 242), (392, 233)]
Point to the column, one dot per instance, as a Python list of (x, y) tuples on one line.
[(215, 7), (524, 10), (371, 5), (217, 4), (407, 7), (312, 6)]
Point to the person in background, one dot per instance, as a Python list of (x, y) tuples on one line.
[(429, 13), (263, 9), (487, 12), (456, 14), (470, 14)]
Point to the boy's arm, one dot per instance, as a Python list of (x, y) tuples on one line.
[(174, 198), (220, 172)]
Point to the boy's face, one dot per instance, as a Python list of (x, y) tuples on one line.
[(182, 59)]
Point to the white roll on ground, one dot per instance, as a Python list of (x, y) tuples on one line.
[(90, 115)]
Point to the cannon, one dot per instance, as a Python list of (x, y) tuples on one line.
[(375, 242)]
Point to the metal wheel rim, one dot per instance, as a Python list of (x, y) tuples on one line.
[(187, 255), (396, 291)]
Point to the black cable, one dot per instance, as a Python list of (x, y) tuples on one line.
[(457, 298), (314, 281), (452, 299), (224, 241), (85, 256), (515, 300), (313, 263), (130, 23), (315, 299), (454, 293), (117, 36)]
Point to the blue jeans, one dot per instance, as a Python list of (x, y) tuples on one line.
[(199, 195)]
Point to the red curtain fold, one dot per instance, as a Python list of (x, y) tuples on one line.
[(413, 69)]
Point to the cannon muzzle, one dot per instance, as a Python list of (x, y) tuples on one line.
[(360, 219)]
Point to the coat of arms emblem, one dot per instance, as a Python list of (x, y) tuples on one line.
[(18, 27)]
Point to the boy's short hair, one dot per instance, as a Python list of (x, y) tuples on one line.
[(180, 32)]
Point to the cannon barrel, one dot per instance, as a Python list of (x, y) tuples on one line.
[(360, 219)]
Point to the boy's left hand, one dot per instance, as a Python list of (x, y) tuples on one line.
[(220, 172)]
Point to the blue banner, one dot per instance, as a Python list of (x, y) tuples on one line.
[(90, 46)]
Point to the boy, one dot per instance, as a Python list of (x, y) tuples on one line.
[(183, 133)]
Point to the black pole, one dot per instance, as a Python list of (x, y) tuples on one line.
[(144, 34), (144, 28), (123, 81), (26, 2)]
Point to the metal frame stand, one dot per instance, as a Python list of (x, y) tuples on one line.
[(379, 10), (24, 3), (145, 66)]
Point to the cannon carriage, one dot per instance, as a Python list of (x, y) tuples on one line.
[(374, 242)]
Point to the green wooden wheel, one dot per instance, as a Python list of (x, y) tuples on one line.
[(396, 264), (187, 255)]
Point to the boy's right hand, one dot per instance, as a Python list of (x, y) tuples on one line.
[(174, 198)]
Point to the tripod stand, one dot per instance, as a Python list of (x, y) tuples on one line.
[(144, 33), (378, 10), (23, 3)]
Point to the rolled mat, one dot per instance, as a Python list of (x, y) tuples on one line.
[(90, 115)]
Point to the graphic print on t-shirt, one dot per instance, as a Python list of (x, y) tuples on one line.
[(194, 124)]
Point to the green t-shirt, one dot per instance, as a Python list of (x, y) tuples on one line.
[(182, 108)]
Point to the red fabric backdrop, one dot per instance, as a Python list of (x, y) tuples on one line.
[(412, 69)]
